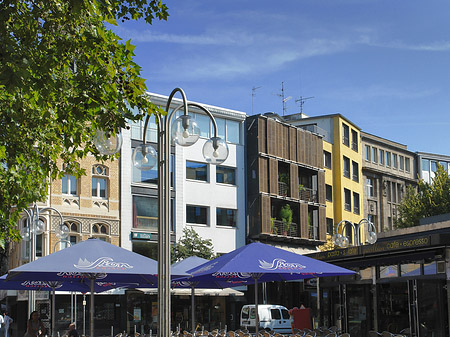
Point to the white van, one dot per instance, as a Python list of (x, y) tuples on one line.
[(271, 317)]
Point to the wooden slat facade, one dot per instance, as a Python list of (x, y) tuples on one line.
[(265, 214)]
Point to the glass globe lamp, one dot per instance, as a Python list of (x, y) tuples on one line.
[(106, 143), (39, 227), (337, 239), (144, 157), (62, 232), (215, 150), (185, 131), (25, 234), (372, 238), (345, 242)]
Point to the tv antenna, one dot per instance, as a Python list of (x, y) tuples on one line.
[(253, 96), (283, 99), (302, 101)]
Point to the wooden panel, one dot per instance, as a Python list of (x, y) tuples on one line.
[(265, 214), (304, 221), (321, 187), (322, 224), (320, 153), (262, 135), (263, 175), (292, 144), (285, 141), (279, 152), (300, 146), (314, 150), (273, 176), (294, 181), (271, 136)]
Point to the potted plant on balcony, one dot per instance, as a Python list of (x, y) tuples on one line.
[(286, 217), (273, 228)]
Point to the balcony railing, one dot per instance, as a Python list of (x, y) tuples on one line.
[(308, 194), (280, 228), (283, 189)]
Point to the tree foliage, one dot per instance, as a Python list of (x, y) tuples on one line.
[(427, 200), (63, 75), (191, 244)]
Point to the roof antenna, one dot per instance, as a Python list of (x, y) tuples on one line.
[(284, 99), (302, 101), (253, 96)]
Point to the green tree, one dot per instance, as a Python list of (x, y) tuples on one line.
[(191, 244), (427, 200), (63, 75)]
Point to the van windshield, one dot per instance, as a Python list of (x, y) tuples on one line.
[(245, 313), (275, 313), (252, 313)]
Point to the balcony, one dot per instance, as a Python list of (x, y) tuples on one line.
[(283, 189), (308, 194), (278, 227)]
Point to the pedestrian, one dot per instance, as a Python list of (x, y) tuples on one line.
[(35, 327), (1, 325), (72, 330), (6, 323)]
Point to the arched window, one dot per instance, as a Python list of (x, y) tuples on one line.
[(100, 231), (74, 234)]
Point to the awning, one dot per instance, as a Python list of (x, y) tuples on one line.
[(198, 292)]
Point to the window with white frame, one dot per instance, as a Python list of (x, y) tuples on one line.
[(73, 236), (369, 186), (100, 175), (226, 175), (69, 185), (226, 217), (197, 214), (367, 152), (26, 247)]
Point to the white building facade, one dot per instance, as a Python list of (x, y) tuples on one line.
[(208, 198)]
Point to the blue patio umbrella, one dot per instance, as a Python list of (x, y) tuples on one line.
[(258, 262), (93, 260)]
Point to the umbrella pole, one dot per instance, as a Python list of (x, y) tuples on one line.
[(91, 313), (193, 309), (256, 308), (53, 310)]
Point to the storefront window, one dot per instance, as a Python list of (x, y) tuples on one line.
[(410, 269), (388, 271)]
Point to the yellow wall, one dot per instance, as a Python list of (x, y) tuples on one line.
[(339, 150)]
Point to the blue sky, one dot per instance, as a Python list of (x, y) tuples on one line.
[(383, 64)]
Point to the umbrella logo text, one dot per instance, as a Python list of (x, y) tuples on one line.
[(280, 264), (102, 263)]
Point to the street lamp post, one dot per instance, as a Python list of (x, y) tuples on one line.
[(183, 131), (36, 227), (343, 241)]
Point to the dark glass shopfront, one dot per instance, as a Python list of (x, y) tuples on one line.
[(396, 290)]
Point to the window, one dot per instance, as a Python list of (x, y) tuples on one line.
[(26, 243), (233, 132), (197, 214), (226, 175), (355, 171), (374, 155), (203, 123), (196, 171), (367, 153), (328, 193), (345, 134), (347, 200), (354, 140), (355, 203), (327, 159), (99, 181), (381, 157), (444, 165), (69, 185), (346, 167), (150, 176), (100, 231), (407, 164), (394, 161), (401, 163), (73, 236), (226, 217), (330, 226), (370, 189), (388, 159), (145, 213), (433, 166)]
